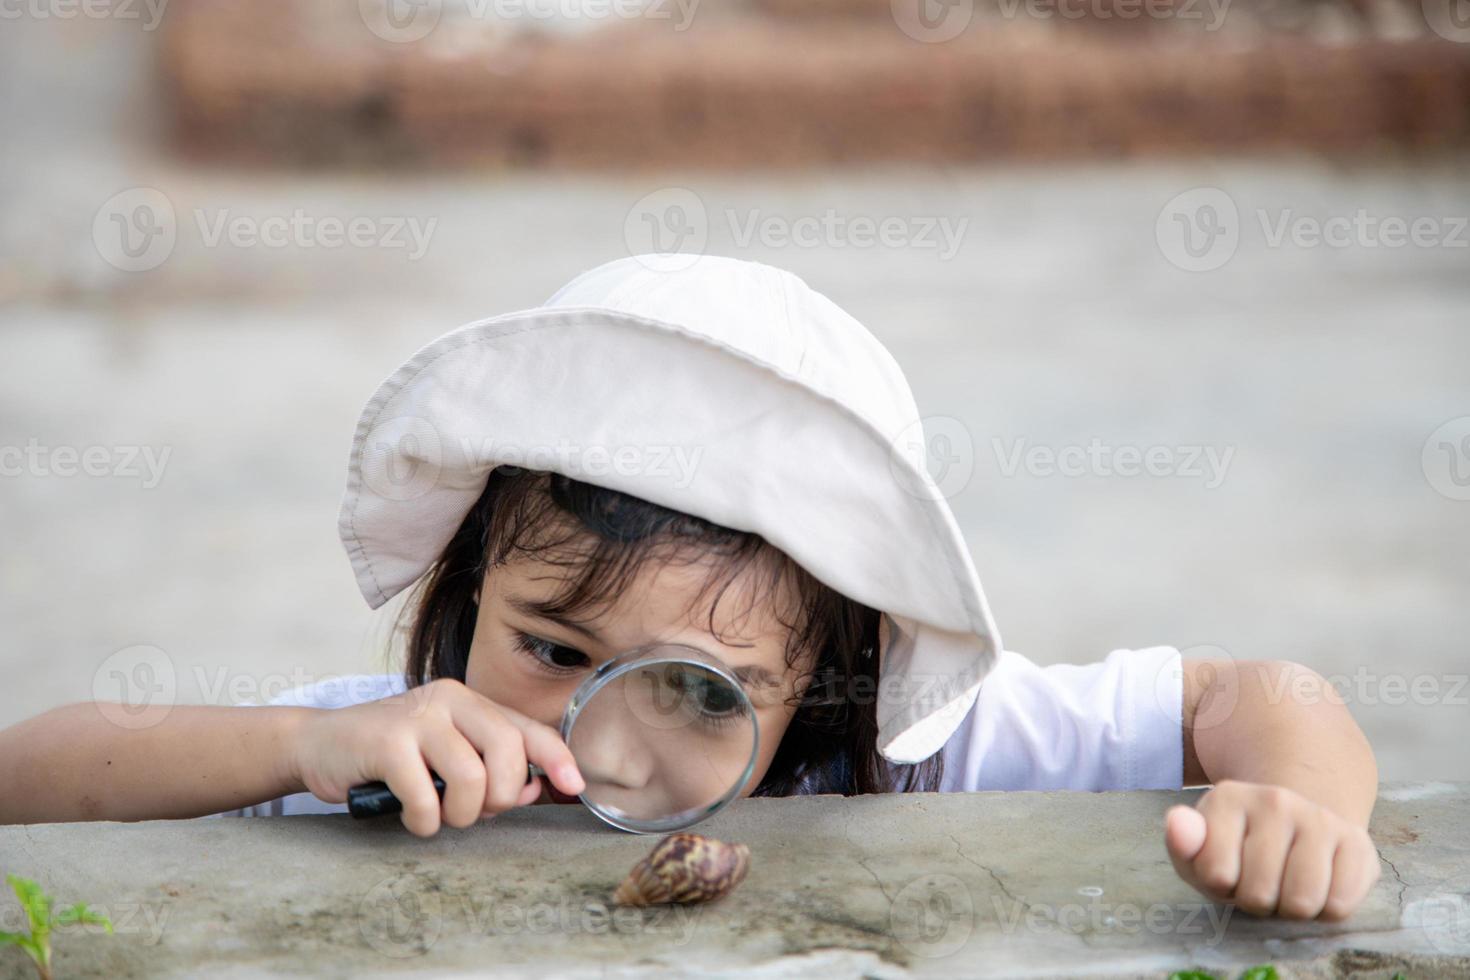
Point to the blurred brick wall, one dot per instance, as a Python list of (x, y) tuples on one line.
[(801, 82)]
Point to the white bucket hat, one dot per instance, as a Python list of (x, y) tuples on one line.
[(725, 389)]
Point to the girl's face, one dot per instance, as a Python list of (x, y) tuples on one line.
[(527, 661)]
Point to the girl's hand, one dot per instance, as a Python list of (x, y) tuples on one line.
[(1270, 850), (479, 748)]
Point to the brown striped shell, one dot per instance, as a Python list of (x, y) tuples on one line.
[(685, 869)]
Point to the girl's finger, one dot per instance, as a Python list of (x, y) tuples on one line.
[(1217, 865), (1184, 832), (543, 745), (1263, 860), (531, 793), (545, 748), (1184, 835), (505, 761), (1354, 871), (494, 733), (452, 756), (408, 777), (1308, 876)]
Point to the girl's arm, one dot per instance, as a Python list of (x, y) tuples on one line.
[(75, 763), (1284, 829)]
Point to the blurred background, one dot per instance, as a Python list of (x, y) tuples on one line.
[(1181, 286)]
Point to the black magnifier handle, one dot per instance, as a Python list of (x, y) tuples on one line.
[(375, 799)]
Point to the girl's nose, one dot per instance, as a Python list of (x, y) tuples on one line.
[(614, 753)]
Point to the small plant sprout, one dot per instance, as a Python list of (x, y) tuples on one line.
[(37, 905)]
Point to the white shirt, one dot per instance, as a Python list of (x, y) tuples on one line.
[(1112, 725)]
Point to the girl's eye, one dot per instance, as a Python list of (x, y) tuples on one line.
[(714, 702), (551, 656)]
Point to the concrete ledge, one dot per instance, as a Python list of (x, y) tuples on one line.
[(954, 884)]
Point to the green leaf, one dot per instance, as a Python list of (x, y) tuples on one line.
[(36, 903), (24, 942), (1192, 975), (1263, 972)]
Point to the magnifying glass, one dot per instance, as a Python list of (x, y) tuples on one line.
[(664, 736)]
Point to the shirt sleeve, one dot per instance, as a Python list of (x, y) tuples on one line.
[(1112, 725), (334, 692)]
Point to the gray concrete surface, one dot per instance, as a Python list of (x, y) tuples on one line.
[(966, 885)]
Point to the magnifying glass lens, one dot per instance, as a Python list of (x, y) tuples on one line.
[(663, 744)]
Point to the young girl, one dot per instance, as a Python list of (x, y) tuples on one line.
[(709, 452)]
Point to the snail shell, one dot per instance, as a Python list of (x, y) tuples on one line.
[(685, 869)]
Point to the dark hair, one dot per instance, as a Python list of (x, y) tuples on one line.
[(605, 537)]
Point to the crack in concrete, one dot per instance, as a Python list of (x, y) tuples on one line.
[(862, 862), (999, 882), (864, 865), (1403, 885)]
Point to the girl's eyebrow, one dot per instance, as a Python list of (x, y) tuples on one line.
[(754, 674), (539, 609)]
